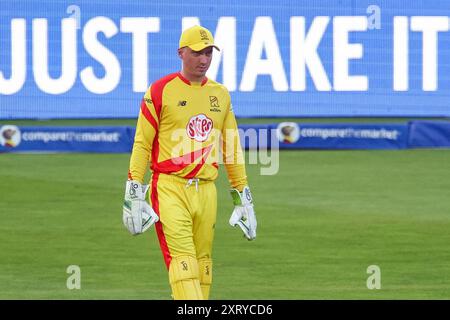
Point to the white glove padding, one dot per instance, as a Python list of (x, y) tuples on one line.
[(138, 215), (243, 214)]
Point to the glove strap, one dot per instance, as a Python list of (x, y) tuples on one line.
[(241, 198), (236, 197)]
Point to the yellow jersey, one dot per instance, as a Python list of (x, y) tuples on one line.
[(185, 129)]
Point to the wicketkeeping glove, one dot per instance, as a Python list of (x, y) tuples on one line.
[(138, 215), (243, 214)]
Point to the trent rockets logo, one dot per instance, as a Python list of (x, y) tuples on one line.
[(199, 127), (9, 136), (204, 35)]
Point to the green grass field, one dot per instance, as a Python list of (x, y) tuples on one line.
[(323, 219)]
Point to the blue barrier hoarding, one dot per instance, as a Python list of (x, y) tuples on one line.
[(66, 139), (342, 136), (286, 135), (94, 59), (429, 134)]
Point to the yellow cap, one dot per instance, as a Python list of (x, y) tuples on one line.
[(197, 38)]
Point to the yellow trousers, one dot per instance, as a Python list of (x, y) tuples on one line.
[(187, 211)]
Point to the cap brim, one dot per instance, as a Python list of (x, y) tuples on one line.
[(201, 45)]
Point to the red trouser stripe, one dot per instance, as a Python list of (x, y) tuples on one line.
[(158, 225)]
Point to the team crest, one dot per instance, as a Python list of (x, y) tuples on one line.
[(199, 127), (214, 102), (204, 35), (215, 107)]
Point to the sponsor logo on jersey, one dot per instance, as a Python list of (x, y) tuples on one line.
[(10, 136), (199, 127)]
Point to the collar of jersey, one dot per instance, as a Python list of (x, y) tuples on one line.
[(190, 83)]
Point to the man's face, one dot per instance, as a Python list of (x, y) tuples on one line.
[(196, 63)]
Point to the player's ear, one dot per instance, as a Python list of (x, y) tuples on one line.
[(180, 53)]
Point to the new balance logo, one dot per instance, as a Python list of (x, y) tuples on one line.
[(182, 103)]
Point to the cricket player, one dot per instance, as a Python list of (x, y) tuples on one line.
[(185, 124)]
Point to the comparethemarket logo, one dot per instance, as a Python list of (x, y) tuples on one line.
[(288, 132), (349, 133), (10, 136), (47, 137)]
